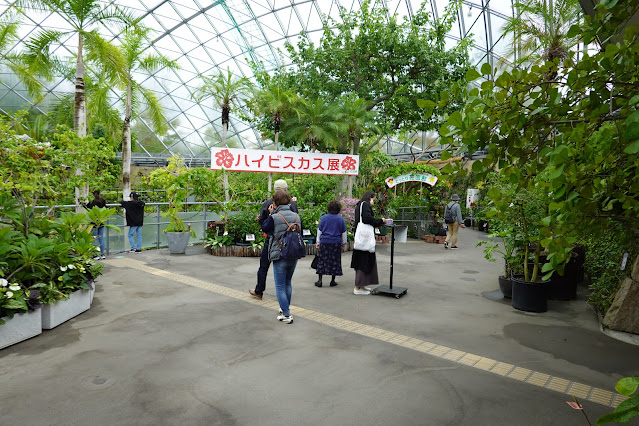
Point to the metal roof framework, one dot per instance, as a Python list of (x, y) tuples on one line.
[(207, 37)]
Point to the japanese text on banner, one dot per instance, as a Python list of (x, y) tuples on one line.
[(250, 160)]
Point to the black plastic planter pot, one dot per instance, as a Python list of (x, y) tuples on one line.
[(506, 287), (563, 288), (528, 296)]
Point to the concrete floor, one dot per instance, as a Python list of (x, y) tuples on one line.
[(158, 349)]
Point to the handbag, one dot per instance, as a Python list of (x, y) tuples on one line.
[(314, 262), (364, 235)]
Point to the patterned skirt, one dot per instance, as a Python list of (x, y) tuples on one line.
[(330, 259)]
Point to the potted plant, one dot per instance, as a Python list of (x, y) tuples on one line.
[(174, 180), (508, 249), (518, 215)]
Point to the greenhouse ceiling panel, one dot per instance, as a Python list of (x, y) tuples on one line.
[(207, 37)]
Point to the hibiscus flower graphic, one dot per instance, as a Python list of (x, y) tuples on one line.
[(224, 159), (348, 163)]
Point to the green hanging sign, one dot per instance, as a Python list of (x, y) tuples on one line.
[(411, 177)]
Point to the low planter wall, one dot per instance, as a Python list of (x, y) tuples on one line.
[(436, 239), (20, 327), (235, 251), (64, 310), (243, 251)]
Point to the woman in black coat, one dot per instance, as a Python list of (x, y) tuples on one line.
[(364, 262)]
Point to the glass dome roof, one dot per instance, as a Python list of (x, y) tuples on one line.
[(206, 37)]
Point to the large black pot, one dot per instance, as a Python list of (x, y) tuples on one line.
[(563, 288), (529, 296), (506, 286)]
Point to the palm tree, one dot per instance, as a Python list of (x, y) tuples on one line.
[(540, 30), (276, 103), (227, 92), (315, 125), (357, 120), (134, 45), (9, 25), (98, 85), (84, 17)]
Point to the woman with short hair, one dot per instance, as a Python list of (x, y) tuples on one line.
[(331, 239)]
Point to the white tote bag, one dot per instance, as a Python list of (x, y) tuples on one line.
[(364, 235)]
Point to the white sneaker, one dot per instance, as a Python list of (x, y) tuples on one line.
[(102, 257), (96, 257), (368, 288), (285, 319), (361, 292)]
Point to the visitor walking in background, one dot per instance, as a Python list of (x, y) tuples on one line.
[(331, 238), (452, 212), (283, 268), (364, 262), (262, 272), (98, 231), (134, 220)]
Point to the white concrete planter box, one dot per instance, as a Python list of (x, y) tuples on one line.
[(20, 327), (59, 312), (91, 283)]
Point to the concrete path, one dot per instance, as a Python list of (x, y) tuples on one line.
[(177, 340)]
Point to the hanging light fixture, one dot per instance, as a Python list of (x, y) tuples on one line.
[(470, 11)]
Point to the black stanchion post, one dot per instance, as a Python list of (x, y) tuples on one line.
[(388, 289)]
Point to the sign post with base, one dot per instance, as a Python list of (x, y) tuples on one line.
[(389, 289)]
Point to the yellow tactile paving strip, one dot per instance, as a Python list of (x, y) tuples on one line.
[(536, 378)]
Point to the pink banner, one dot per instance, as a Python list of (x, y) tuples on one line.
[(251, 160)]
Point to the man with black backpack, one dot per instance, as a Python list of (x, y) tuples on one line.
[(454, 220)]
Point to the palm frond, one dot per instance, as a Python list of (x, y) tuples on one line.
[(105, 53)]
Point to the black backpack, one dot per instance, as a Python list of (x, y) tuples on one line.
[(448, 215), (291, 243)]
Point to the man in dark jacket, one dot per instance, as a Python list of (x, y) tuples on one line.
[(134, 220), (278, 185)]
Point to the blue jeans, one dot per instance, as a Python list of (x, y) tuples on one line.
[(98, 234), (138, 231), (263, 271), (283, 273)]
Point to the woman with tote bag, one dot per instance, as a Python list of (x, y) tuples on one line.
[(364, 261)]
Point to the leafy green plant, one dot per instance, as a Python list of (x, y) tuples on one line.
[(629, 408), (311, 216), (173, 179), (241, 224), (257, 244), (507, 248), (581, 131), (13, 299), (219, 241), (604, 251)]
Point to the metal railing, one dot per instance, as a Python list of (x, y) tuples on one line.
[(418, 219), (154, 225)]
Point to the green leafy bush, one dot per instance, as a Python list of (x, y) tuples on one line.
[(604, 252)]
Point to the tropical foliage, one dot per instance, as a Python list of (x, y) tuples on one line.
[(388, 62), (574, 138)]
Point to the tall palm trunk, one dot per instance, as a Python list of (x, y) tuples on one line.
[(349, 185), (126, 145), (80, 112), (270, 175), (80, 118), (225, 128)]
